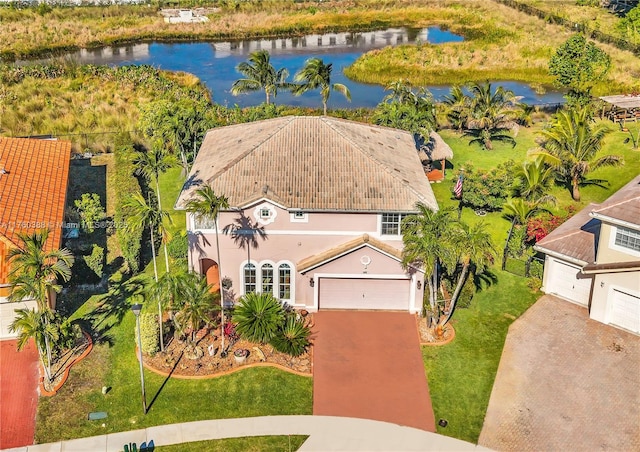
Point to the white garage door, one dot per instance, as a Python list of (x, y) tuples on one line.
[(625, 311), (363, 293), (566, 281)]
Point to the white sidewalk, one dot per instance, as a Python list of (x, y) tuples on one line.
[(326, 433)]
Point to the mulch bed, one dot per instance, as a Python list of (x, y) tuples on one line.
[(60, 366), (180, 359), (427, 336)]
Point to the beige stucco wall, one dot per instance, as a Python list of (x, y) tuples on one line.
[(608, 254), (603, 291), (290, 242)]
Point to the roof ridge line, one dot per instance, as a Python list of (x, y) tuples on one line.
[(382, 164), (285, 119)]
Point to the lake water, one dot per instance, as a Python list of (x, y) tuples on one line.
[(214, 63)]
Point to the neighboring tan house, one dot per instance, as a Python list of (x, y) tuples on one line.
[(321, 200), (593, 259), (33, 189)]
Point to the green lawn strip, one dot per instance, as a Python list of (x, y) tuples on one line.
[(252, 392), (461, 374), (246, 444)]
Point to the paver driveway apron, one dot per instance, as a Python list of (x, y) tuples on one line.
[(369, 365), (18, 394)]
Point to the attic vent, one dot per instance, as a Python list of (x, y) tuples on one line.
[(265, 189)]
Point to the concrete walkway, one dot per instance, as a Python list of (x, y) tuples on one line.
[(326, 433), (368, 364), (565, 382)]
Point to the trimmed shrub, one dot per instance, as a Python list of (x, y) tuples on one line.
[(95, 261), (178, 247), (258, 316), (90, 210), (293, 337), (149, 333)]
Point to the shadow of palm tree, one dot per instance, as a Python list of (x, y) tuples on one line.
[(112, 307), (245, 233), (484, 280)]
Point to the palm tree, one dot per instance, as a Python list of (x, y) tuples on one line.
[(474, 248), (571, 145), (197, 304), (458, 107), (260, 75), (317, 75), (492, 115), (425, 236), (35, 274), (401, 91), (145, 214), (31, 323), (150, 165), (206, 205), (533, 181)]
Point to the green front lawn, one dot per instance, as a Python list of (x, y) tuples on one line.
[(461, 373), (113, 363)]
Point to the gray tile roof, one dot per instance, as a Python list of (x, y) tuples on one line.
[(312, 163), (623, 205), (576, 238)]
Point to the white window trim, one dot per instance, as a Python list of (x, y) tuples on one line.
[(304, 219), (622, 249), (401, 216), (276, 278), (260, 219)]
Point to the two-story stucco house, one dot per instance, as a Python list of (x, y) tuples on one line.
[(316, 209), (593, 259), (33, 189)]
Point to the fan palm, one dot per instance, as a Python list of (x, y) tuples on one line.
[(260, 75), (571, 146), (317, 75), (150, 165), (424, 236), (206, 205)]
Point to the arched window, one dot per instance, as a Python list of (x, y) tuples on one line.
[(267, 278), (284, 282), (249, 273)]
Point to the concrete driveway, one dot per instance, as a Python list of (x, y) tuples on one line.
[(369, 365), (565, 382), (18, 394)]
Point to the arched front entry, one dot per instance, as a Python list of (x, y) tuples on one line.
[(209, 268)]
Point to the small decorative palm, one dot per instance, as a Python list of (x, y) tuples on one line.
[(317, 75), (293, 337), (258, 317)]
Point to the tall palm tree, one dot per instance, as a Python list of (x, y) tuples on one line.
[(400, 91), (260, 75), (206, 205), (146, 214), (317, 75), (31, 323), (474, 247), (35, 273), (571, 146), (425, 236), (150, 165)]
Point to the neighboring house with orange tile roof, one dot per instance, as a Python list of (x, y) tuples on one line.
[(316, 205), (593, 259), (33, 187)]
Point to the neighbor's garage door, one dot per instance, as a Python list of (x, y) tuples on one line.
[(625, 311), (565, 281), (351, 293)]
